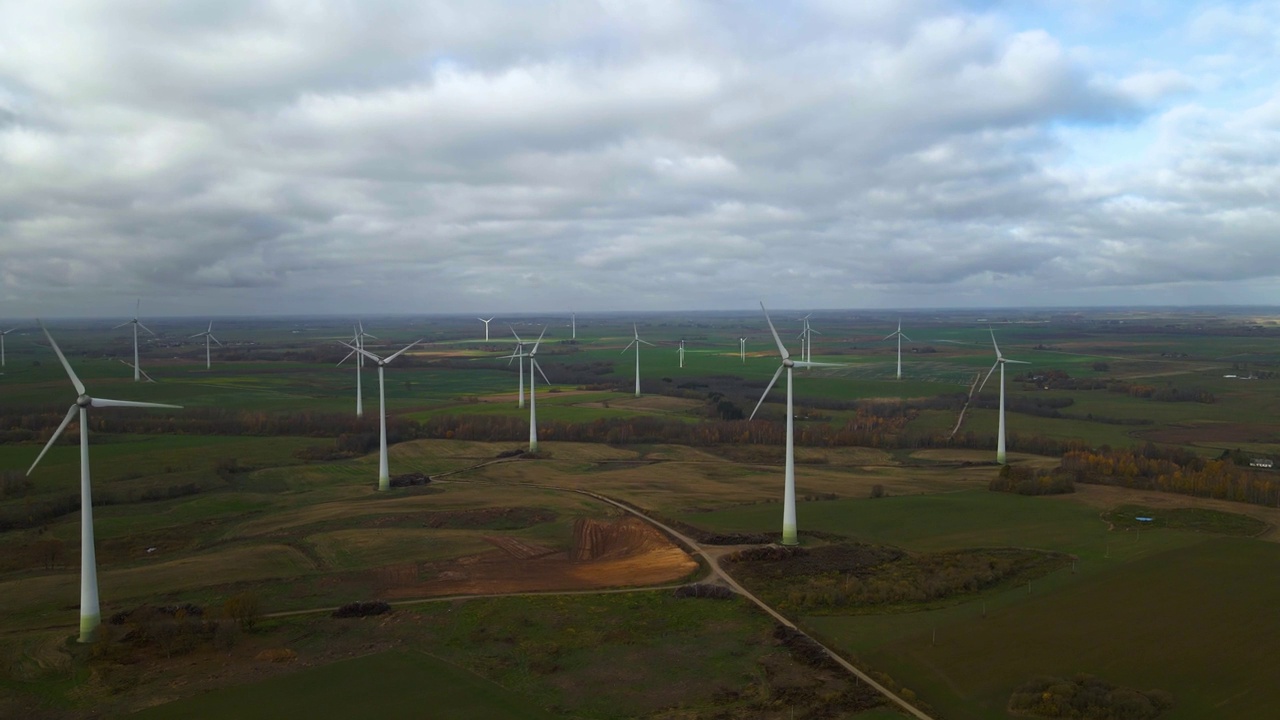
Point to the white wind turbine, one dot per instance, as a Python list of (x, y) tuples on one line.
[(207, 335), (2, 334), (518, 354), (898, 333), (90, 614), (789, 535), (573, 326), (681, 351), (384, 475), (533, 398), (358, 337), (806, 339), (486, 327), (742, 349), (637, 342), (137, 369), (1000, 362)]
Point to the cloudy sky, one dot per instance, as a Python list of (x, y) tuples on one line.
[(421, 156)]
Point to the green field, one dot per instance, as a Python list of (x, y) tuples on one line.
[(1180, 604), (394, 684)]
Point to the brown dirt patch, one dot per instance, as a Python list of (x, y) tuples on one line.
[(515, 396), (517, 548), (625, 553)]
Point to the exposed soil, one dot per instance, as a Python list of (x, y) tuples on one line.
[(604, 554)]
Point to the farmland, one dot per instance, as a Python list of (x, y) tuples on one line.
[(265, 488)]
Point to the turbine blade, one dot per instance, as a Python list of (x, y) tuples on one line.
[(210, 327), (348, 357), (988, 377), (904, 337), (544, 375), (363, 352), (104, 403), (402, 350), (646, 342), (211, 337), (202, 334), (781, 348), (815, 332), (886, 337), (804, 364), (63, 359), (993, 342), (145, 375), (766, 391), (117, 327), (1017, 362), (54, 438), (513, 332), (144, 327), (628, 347), (534, 351)]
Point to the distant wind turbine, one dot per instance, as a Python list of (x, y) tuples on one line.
[(742, 349), (144, 372), (207, 335), (519, 354), (806, 339), (1001, 360), (358, 336), (533, 396), (681, 351), (901, 337), (2, 334), (573, 325), (384, 475), (637, 342), (137, 368), (789, 535), (90, 614), (486, 327)]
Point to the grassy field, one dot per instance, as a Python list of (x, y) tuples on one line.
[(260, 519), (392, 684)]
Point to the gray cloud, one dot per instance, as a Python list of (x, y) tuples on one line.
[(436, 157)]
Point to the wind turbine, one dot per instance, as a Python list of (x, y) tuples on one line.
[(1000, 362), (681, 351), (573, 325), (637, 342), (533, 398), (137, 369), (144, 372), (789, 536), (742, 349), (358, 337), (90, 614), (207, 335), (518, 353), (901, 337), (486, 327), (2, 334), (384, 476)]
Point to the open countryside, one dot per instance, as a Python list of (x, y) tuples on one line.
[(246, 558)]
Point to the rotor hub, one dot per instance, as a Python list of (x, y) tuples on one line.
[(788, 363), (84, 401)]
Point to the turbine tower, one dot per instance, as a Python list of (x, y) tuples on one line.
[(637, 342), (358, 336), (207, 335), (90, 614), (742, 349), (789, 535), (533, 398), (486, 327), (520, 354), (1001, 360), (2, 334), (681, 351), (384, 475), (137, 369), (573, 325), (898, 333)]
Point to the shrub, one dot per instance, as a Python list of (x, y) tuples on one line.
[(244, 608), (877, 491), (704, 590), (361, 608)]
